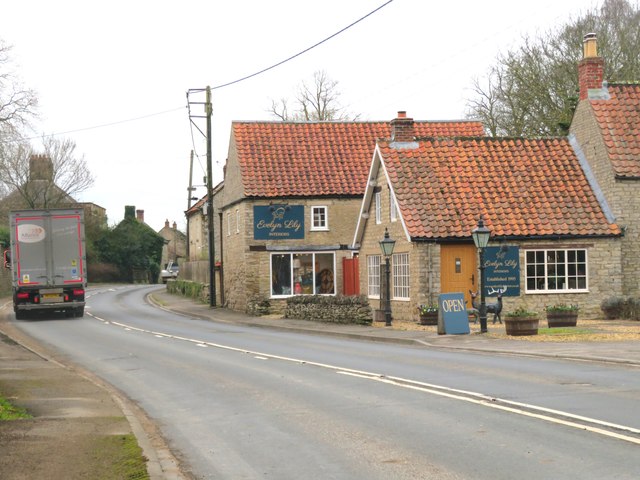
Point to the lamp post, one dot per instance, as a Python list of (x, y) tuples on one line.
[(387, 245), (481, 236)]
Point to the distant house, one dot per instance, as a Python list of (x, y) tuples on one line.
[(38, 191), (175, 246), (291, 196), (606, 129)]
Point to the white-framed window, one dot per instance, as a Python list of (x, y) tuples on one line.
[(373, 276), (400, 275), (302, 273), (237, 220), (228, 223), (378, 197), (393, 208), (556, 271), (319, 218)]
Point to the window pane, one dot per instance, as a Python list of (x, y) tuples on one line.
[(400, 275), (303, 274), (373, 275), (281, 274), (324, 275)]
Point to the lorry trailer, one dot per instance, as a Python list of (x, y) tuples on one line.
[(48, 261)]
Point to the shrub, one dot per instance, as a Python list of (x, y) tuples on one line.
[(613, 307)]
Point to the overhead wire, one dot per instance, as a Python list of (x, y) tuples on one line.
[(275, 65)]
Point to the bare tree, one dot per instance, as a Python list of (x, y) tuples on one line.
[(17, 104), (47, 180), (317, 102), (533, 90)]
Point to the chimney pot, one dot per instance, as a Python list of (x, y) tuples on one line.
[(590, 46)]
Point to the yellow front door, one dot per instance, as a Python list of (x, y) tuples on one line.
[(458, 270)]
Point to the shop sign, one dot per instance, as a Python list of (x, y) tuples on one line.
[(502, 271), (278, 222), (453, 318)]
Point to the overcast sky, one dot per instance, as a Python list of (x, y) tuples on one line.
[(113, 76)]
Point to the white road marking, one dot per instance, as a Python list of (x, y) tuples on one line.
[(529, 410)]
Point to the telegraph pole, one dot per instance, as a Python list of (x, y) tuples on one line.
[(209, 211), (190, 191), (210, 223)]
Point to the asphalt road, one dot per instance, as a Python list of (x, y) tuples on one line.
[(237, 402)]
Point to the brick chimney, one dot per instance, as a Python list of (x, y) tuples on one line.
[(166, 223), (140, 215), (40, 168), (402, 128), (175, 226), (591, 67)]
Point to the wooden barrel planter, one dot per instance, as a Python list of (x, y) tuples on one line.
[(519, 326), (430, 318), (562, 319)]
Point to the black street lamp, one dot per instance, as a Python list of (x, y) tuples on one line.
[(481, 236), (387, 245)]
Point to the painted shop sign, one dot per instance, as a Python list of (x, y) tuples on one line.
[(452, 314), (278, 222), (502, 271)]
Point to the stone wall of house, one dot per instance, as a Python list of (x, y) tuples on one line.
[(623, 196), (604, 277), (247, 268)]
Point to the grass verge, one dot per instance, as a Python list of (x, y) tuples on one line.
[(8, 411), (120, 457)]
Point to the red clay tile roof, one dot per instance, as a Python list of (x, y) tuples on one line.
[(521, 187), (286, 159), (619, 120)]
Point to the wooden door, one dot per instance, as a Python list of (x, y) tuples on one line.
[(459, 270)]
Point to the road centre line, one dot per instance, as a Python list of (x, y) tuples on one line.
[(533, 411), (503, 405)]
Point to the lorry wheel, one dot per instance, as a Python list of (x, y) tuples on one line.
[(21, 314), (79, 312)]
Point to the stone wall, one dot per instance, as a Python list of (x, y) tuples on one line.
[(247, 267), (338, 309), (623, 196)]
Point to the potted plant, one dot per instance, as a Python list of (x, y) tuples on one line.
[(428, 314), (521, 322), (562, 315)]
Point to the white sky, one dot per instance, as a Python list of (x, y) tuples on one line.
[(98, 65)]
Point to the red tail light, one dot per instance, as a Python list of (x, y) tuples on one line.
[(78, 292), (22, 296)]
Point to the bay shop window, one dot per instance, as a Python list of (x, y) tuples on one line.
[(302, 274)]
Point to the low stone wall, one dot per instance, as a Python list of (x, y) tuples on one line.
[(339, 309)]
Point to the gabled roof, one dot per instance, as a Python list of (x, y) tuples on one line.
[(308, 159), (522, 188), (619, 121)]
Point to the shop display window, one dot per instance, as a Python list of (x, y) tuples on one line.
[(302, 274)]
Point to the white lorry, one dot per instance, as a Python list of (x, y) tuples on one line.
[(48, 261)]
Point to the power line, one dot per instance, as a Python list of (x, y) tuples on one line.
[(98, 126), (301, 52)]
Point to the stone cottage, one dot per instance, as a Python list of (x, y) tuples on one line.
[(292, 192), (553, 239)]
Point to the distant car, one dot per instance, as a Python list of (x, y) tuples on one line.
[(171, 271)]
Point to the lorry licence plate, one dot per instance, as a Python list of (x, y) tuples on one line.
[(51, 297)]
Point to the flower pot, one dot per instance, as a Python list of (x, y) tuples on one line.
[(518, 326), (562, 319), (430, 318)]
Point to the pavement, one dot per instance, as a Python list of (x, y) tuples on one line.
[(75, 404)]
